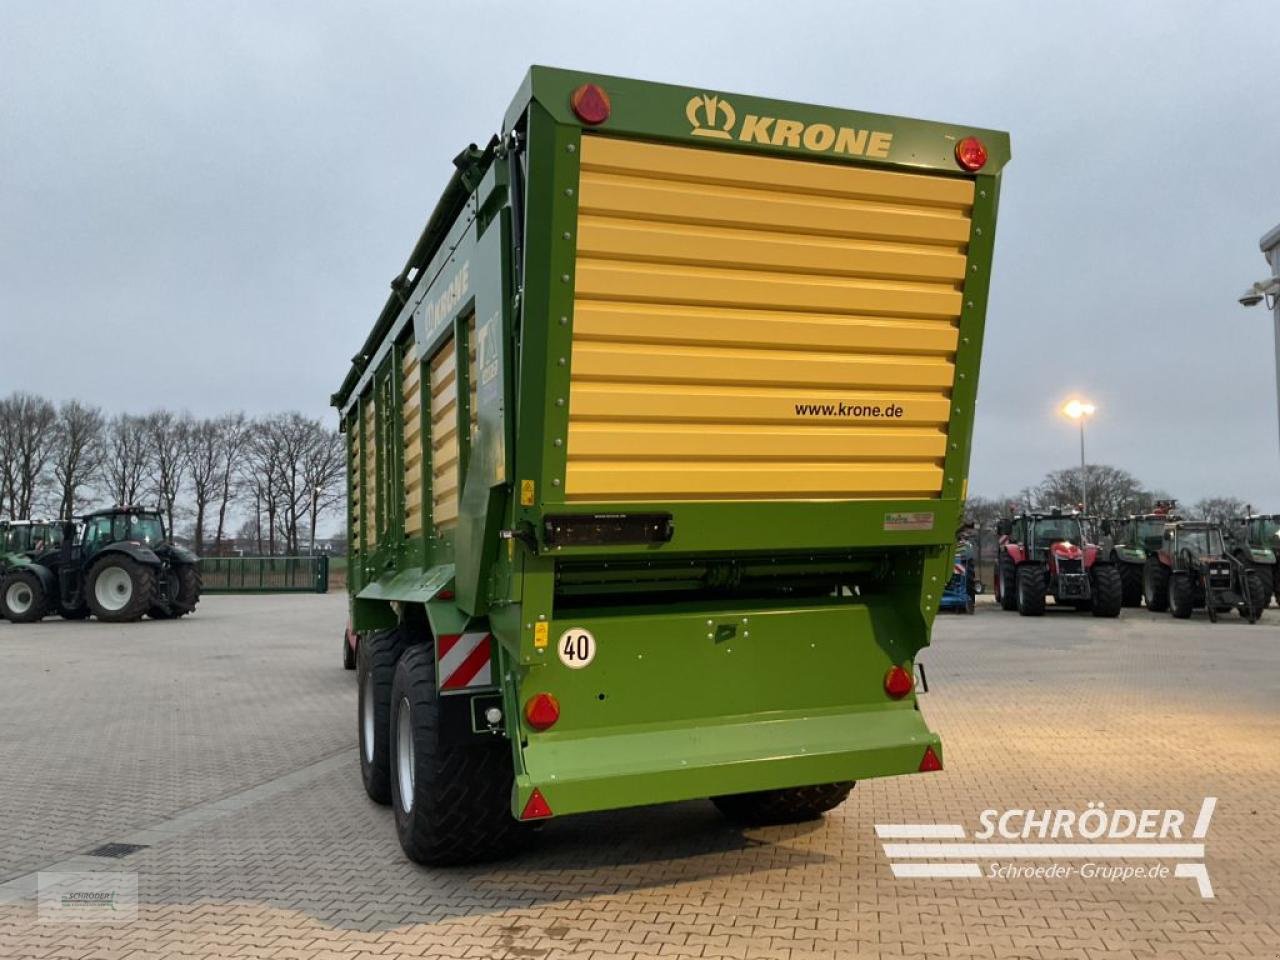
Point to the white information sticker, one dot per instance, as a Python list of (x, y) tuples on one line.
[(577, 648)]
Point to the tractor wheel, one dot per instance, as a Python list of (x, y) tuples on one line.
[(375, 669), (1108, 590), (1181, 595), (792, 805), (1130, 583), (1007, 586), (22, 597), (970, 604), (1266, 573), (1256, 596), (452, 800), (119, 589), (348, 655), (1031, 589), (189, 583), (1155, 586), (1275, 590)]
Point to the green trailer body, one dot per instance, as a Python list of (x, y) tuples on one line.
[(671, 407)]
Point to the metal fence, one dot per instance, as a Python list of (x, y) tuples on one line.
[(265, 574)]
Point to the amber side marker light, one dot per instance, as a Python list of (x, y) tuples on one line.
[(537, 808), (971, 154), (590, 103), (897, 683), (542, 711)]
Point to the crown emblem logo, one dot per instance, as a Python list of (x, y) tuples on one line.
[(704, 112)]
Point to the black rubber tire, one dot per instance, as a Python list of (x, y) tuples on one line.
[(190, 583), (791, 805), (460, 807), (1155, 586), (1008, 586), (1255, 589), (1266, 576), (1275, 587), (970, 604), (140, 601), (375, 669), (1031, 590), (1130, 583), (1108, 590), (348, 655), (24, 582), (1181, 595)]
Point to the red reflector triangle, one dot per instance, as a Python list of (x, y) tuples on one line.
[(536, 808), (930, 761)]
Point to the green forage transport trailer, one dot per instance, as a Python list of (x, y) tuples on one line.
[(656, 453)]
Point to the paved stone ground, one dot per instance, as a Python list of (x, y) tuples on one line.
[(226, 743)]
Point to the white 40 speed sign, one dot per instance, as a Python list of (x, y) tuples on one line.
[(577, 648)]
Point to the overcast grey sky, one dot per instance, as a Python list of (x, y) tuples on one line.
[(201, 203)]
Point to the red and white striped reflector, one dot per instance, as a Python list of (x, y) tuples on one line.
[(958, 568), (465, 660)]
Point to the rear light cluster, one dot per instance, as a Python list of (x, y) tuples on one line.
[(897, 683)]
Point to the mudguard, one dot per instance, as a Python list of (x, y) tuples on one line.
[(134, 551), (43, 574)]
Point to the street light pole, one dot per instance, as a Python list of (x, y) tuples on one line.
[(315, 495), (1080, 410), (1084, 474)]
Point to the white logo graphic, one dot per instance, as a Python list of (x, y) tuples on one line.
[(1099, 838)]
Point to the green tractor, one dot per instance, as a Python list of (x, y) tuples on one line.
[(1194, 570), (119, 568), (1255, 540), (1129, 542), (20, 542), (22, 539)]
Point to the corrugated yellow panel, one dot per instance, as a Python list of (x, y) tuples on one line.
[(755, 327), (353, 471), (370, 469), (471, 373), (411, 415), (444, 437)]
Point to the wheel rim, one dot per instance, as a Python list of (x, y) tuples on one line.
[(366, 718), (404, 754), (113, 589), (18, 598)]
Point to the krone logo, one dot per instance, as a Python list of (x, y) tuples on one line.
[(704, 113)]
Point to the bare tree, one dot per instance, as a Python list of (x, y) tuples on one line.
[(261, 473), (324, 474), (205, 454), (78, 452), (233, 437), (27, 446), (1219, 509), (126, 460), (167, 435), (1113, 492)]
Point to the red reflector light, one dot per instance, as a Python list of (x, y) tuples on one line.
[(971, 154), (542, 711), (536, 808), (897, 683), (590, 103), (930, 762)]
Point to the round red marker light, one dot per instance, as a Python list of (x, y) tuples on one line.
[(542, 711), (971, 154), (591, 104), (897, 683)]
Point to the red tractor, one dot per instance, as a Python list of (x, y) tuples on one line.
[(1046, 554)]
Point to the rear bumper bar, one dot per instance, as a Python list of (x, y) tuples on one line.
[(633, 768)]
